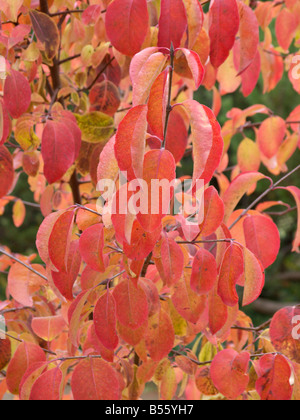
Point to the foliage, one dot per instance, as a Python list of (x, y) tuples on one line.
[(119, 298)]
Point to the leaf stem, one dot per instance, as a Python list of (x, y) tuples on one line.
[(169, 106)]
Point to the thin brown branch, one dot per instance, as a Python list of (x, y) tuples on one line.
[(169, 106), (2, 251), (66, 60), (264, 194)]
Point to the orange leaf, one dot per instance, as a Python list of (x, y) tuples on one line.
[(231, 270), (188, 303), (270, 136), (131, 142), (204, 272), (131, 304), (60, 240), (91, 245), (213, 212), (23, 283), (262, 238), (160, 336), (105, 321), (207, 140), (48, 328), (159, 167)]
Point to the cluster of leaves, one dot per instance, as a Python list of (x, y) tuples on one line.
[(94, 88)]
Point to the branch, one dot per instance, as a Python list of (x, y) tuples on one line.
[(2, 251), (271, 188), (169, 106)]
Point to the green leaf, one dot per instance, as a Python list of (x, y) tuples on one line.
[(96, 127)]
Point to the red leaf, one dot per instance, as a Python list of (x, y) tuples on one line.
[(142, 242), (284, 332), (60, 240), (213, 212), (204, 272), (217, 313), (159, 167), (25, 355), (7, 172), (223, 27), (131, 142), (231, 270), (127, 24), (207, 140), (251, 75), (249, 36), (60, 147), (229, 372), (170, 261), (171, 11), (131, 304), (47, 387), (176, 130), (105, 321), (188, 303), (157, 104), (273, 381), (160, 336), (93, 380), (31, 375), (64, 281), (195, 66), (105, 97), (262, 238), (17, 94), (91, 245)]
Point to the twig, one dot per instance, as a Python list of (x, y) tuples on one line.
[(2, 251), (169, 106), (271, 188)]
